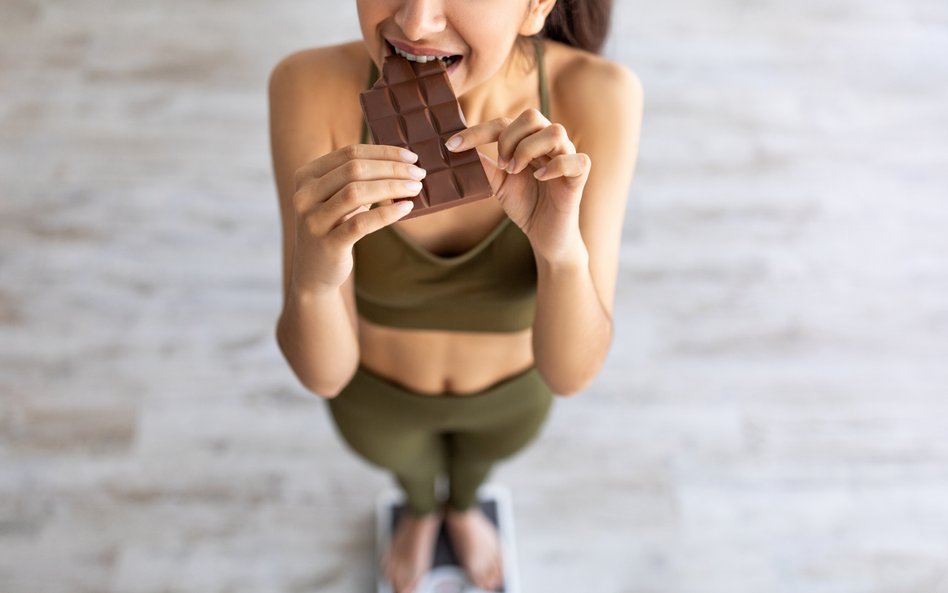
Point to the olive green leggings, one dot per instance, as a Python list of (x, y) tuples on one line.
[(418, 437)]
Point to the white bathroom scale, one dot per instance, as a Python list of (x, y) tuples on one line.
[(446, 574)]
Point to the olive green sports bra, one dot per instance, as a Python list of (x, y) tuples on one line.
[(489, 288)]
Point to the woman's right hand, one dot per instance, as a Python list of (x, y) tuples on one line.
[(332, 201)]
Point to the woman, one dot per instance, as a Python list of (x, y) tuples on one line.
[(439, 341)]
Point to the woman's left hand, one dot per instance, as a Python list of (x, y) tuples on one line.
[(539, 179)]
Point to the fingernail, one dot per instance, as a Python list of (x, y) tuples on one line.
[(404, 206), (413, 186), (453, 142), (408, 156), (539, 172), (502, 163), (512, 165), (417, 172)]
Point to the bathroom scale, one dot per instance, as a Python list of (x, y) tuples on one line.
[(446, 574)]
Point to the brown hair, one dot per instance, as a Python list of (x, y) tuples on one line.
[(580, 23)]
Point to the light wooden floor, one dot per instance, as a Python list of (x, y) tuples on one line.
[(772, 417)]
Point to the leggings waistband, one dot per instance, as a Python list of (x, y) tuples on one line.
[(511, 383), (368, 393)]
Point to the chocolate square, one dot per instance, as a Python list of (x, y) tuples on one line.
[(418, 126)]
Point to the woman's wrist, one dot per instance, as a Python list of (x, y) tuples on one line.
[(573, 256), (306, 292)]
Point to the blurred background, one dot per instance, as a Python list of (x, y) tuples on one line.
[(773, 413)]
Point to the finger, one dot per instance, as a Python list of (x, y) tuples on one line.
[(366, 170), (319, 190), (506, 132), (574, 167), (359, 195), (360, 225), (483, 133), (328, 162), (551, 141), (527, 123), (494, 176)]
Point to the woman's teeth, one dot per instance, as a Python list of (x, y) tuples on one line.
[(421, 59)]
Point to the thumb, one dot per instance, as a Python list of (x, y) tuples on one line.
[(495, 175)]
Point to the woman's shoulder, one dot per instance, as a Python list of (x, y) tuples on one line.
[(572, 67), (316, 90), (328, 70), (584, 84), (331, 63)]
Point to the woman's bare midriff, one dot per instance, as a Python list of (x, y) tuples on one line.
[(442, 362)]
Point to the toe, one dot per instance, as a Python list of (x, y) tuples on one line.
[(410, 587), (497, 577), (483, 580), (401, 586), (493, 581)]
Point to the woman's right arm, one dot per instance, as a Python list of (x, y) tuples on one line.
[(324, 209)]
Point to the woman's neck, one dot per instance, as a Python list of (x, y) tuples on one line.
[(513, 85)]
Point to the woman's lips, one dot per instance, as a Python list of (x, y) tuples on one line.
[(419, 51), (389, 50)]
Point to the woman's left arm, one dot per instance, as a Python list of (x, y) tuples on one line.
[(567, 190)]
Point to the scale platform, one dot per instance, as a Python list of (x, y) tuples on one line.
[(447, 575)]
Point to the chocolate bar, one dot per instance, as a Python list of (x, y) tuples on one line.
[(412, 105)]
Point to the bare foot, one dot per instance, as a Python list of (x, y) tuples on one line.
[(411, 552), (477, 543)]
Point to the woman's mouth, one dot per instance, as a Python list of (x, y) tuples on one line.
[(450, 61)]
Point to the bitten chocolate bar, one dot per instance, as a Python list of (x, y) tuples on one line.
[(412, 105)]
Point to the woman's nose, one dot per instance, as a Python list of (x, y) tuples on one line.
[(420, 18)]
